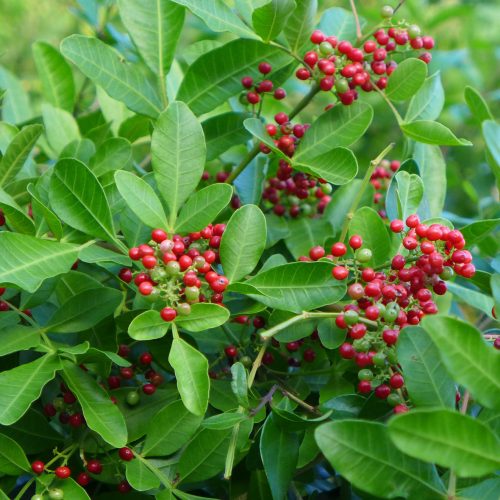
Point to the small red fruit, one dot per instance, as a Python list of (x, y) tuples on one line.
[(37, 466), (63, 472), (126, 454)]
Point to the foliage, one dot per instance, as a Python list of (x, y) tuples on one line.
[(240, 256)]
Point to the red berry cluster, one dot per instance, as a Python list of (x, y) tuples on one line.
[(221, 177), (295, 193), (387, 300), (257, 90), (134, 375), (286, 136), (173, 269), (341, 67), (380, 180), (68, 408)]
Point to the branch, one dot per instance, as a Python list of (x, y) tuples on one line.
[(359, 35)]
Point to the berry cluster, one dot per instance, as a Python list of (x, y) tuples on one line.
[(340, 67), (387, 300), (140, 375), (295, 193), (286, 136), (255, 91), (380, 180), (173, 269), (221, 177), (68, 408)]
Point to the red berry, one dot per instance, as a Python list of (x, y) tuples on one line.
[(347, 351), (396, 381), (253, 98), (247, 82), (316, 252), (146, 288), (63, 472), (265, 68), (426, 57), (126, 454), (259, 322), (125, 274), (149, 261), (219, 284), (292, 346), (94, 466), (355, 241), (340, 272), (127, 373), (369, 46), (146, 358), (397, 226), (311, 58), (357, 331), (114, 382), (338, 249), (302, 74), (37, 466), (317, 37), (148, 389), (367, 274), (428, 42), (76, 420), (268, 359), (400, 409), (344, 47), (134, 253), (158, 235), (281, 118), (123, 487), (168, 314), (326, 83), (382, 391), (231, 351), (364, 386), (83, 479), (309, 355), (390, 336)]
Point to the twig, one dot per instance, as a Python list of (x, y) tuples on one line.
[(399, 118), (359, 35), (257, 362), (307, 406), (267, 398)]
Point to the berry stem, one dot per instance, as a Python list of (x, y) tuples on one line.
[(256, 149), (308, 407), (361, 191), (256, 364), (359, 35), (157, 472), (399, 118), (231, 452)]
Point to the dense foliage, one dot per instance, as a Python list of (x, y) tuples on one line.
[(230, 266)]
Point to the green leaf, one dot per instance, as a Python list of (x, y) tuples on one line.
[(491, 133), (17, 338), (15, 216), (239, 255), (61, 128), (203, 316), (140, 477), (270, 19), (70, 488), (81, 149), (95, 254), (203, 207), (476, 231), (44, 213), (431, 435), (306, 233), (78, 199), (148, 325), (18, 152), (300, 24), (23, 384), (339, 22), (28, 261), (106, 67), (250, 183), (142, 199), (55, 74), (170, 429), (85, 310), (478, 106), (432, 169), (178, 155), (113, 154), (239, 384), (224, 131), (427, 381), (349, 443), (216, 75), (485, 490), (12, 457), (430, 132), (218, 16), (101, 414), (279, 451), (340, 126), (15, 103), (224, 421), (297, 287), (191, 372), (155, 29), (406, 80), (409, 193), (369, 225), (470, 361), (428, 102), (338, 166), (472, 298), (330, 334)]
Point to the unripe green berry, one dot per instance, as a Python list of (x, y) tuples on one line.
[(363, 254), (386, 11), (447, 273), (391, 312), (361, 345), (326, 188), (392, 357), (173, 268), (394, 399), (414, 31), (132, 398), (306, 209), (59, 404), (351, 317), (153, 296), (37, 497), (56, 494), (158, 274), (379, 359), (246, 361), (325, 48), (341, 85), (192, 293), (293, 200), (365, 374), (183, 309)]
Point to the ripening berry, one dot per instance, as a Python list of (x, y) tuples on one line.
[(146, 358), (426, 57), (386, 11), (344, 47), (326, 83), (259, 322)]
